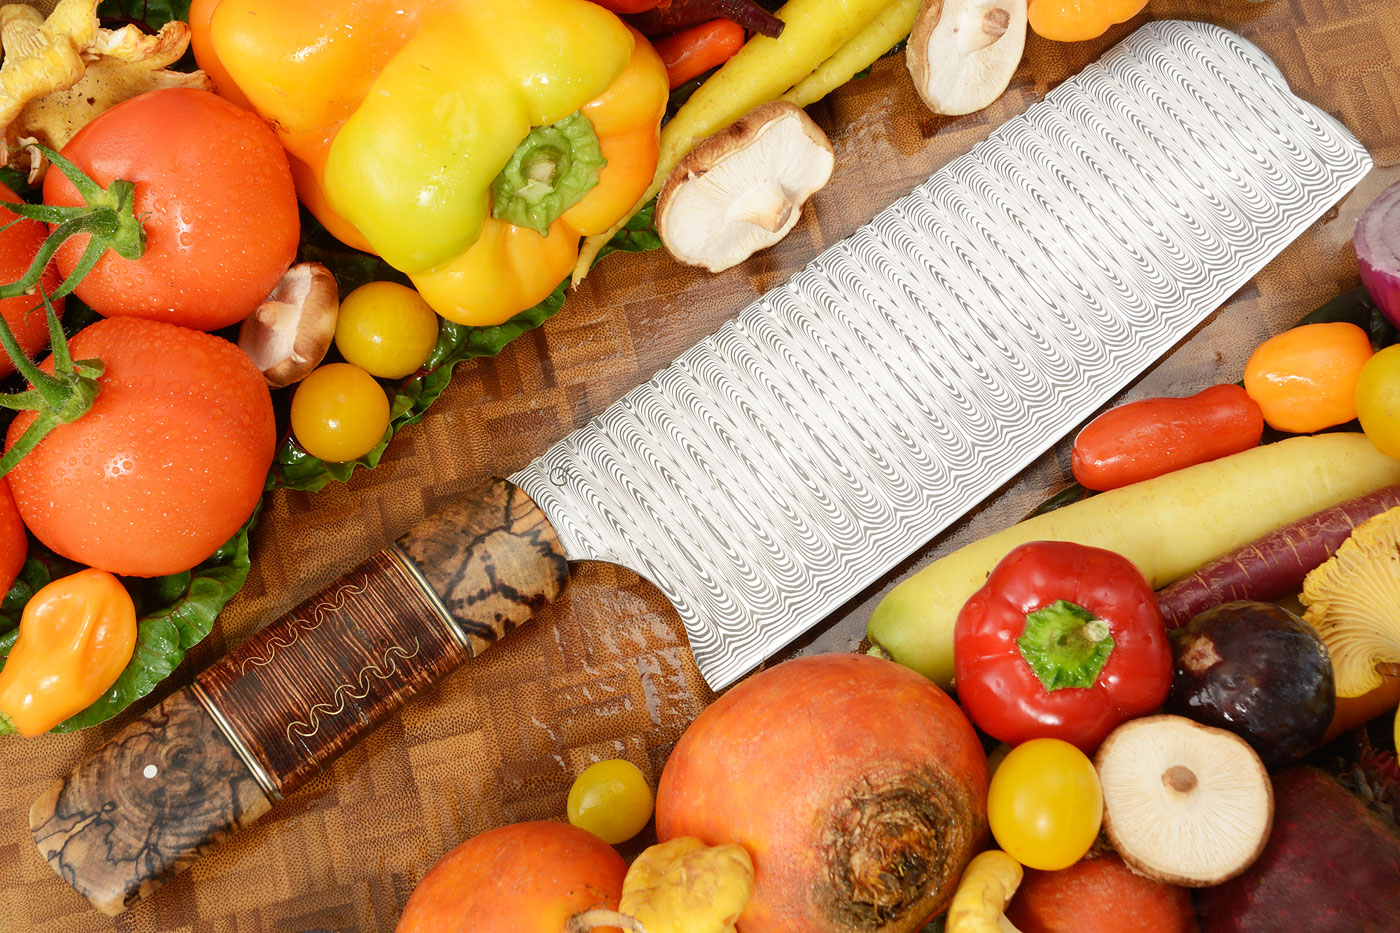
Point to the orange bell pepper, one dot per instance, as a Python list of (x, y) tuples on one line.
[(76, 636), (470, 143), (1076, 20)]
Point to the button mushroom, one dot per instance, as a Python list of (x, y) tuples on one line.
[(291, 331), (742, 189), (1353, 601), (1183, 803), (962, 53)]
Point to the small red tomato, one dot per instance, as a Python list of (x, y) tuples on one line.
[(167, 464), (25, 313), (1140, 440), (14, 542), (215, 189)]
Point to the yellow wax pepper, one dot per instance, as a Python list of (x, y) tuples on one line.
[(76, 636), (470, 143), (1076, 20), (679, 886)]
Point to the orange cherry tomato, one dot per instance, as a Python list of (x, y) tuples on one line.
[(1304, 379), (1140, 440)]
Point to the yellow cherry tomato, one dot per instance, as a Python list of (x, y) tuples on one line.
[(339, 413), (611, 799), (1045, 804), (1378, 400), (386, 329)]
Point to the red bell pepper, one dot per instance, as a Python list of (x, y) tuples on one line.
[(1063, 641)]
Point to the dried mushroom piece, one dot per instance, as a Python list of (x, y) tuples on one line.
[(291, 331), (1184, 803), (962, 53), (1353, 601), (742, 189), (60, 72)]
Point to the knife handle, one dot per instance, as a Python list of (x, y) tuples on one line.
[(268, 717)]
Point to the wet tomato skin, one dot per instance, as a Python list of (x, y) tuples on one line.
[(1151, 437), (165, 467), (220, 211)]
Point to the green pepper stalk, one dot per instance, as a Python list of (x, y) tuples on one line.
[(550, 172)]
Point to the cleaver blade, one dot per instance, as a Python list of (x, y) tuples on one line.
[(784, 463), (844, 419)]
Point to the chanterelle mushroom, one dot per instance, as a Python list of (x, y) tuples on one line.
[(742, 189), (1353, 601), (291, 331), (1184, 803), (985, 890), (61, 71), (962, 53)]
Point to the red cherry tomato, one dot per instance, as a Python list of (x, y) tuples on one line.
[(1140, 440), (214, 186)]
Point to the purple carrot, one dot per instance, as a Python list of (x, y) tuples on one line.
[(671, 17), (1274, 565)]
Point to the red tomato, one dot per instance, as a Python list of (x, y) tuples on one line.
[(14, 542), (166, 466), (1140, 440), (18, 245), (221, 213)]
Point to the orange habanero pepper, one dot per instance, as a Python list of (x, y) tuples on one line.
[(1304, 379), (75, 638)]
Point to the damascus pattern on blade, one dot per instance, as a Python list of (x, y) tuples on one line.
[(847, 417)]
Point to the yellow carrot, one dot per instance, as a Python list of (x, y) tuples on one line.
[(761, 71), (889, 27)]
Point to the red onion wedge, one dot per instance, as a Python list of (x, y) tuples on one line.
[(1377, 241)]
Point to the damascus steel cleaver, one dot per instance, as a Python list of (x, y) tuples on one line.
[(785, 462)]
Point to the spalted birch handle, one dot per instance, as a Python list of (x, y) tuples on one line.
[(266, 718)]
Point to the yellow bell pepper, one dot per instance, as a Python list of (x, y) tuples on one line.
[(1076, 20), (76, 636), (471, 143)]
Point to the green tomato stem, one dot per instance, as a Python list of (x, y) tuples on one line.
[(61, 398), (107, 216)]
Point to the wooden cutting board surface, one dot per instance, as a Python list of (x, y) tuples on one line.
[(606, 672)]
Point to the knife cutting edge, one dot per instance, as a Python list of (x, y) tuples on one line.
[(783, 463)]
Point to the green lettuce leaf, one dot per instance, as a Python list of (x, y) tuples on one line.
[(174, 613)]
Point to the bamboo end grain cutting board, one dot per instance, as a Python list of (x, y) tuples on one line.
[(644, 621)]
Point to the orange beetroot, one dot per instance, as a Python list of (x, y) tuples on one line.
[(1099, 895), (524, 878), (857, 786)]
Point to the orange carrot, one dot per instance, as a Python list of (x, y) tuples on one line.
[(696, 50)]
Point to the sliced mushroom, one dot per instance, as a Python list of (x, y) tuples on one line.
[(291, 331), (1353, 601), (1184, 803), (742, 189), (962, 53)]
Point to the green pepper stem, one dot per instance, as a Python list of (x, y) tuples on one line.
[(1065, 645), (553, 168)]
